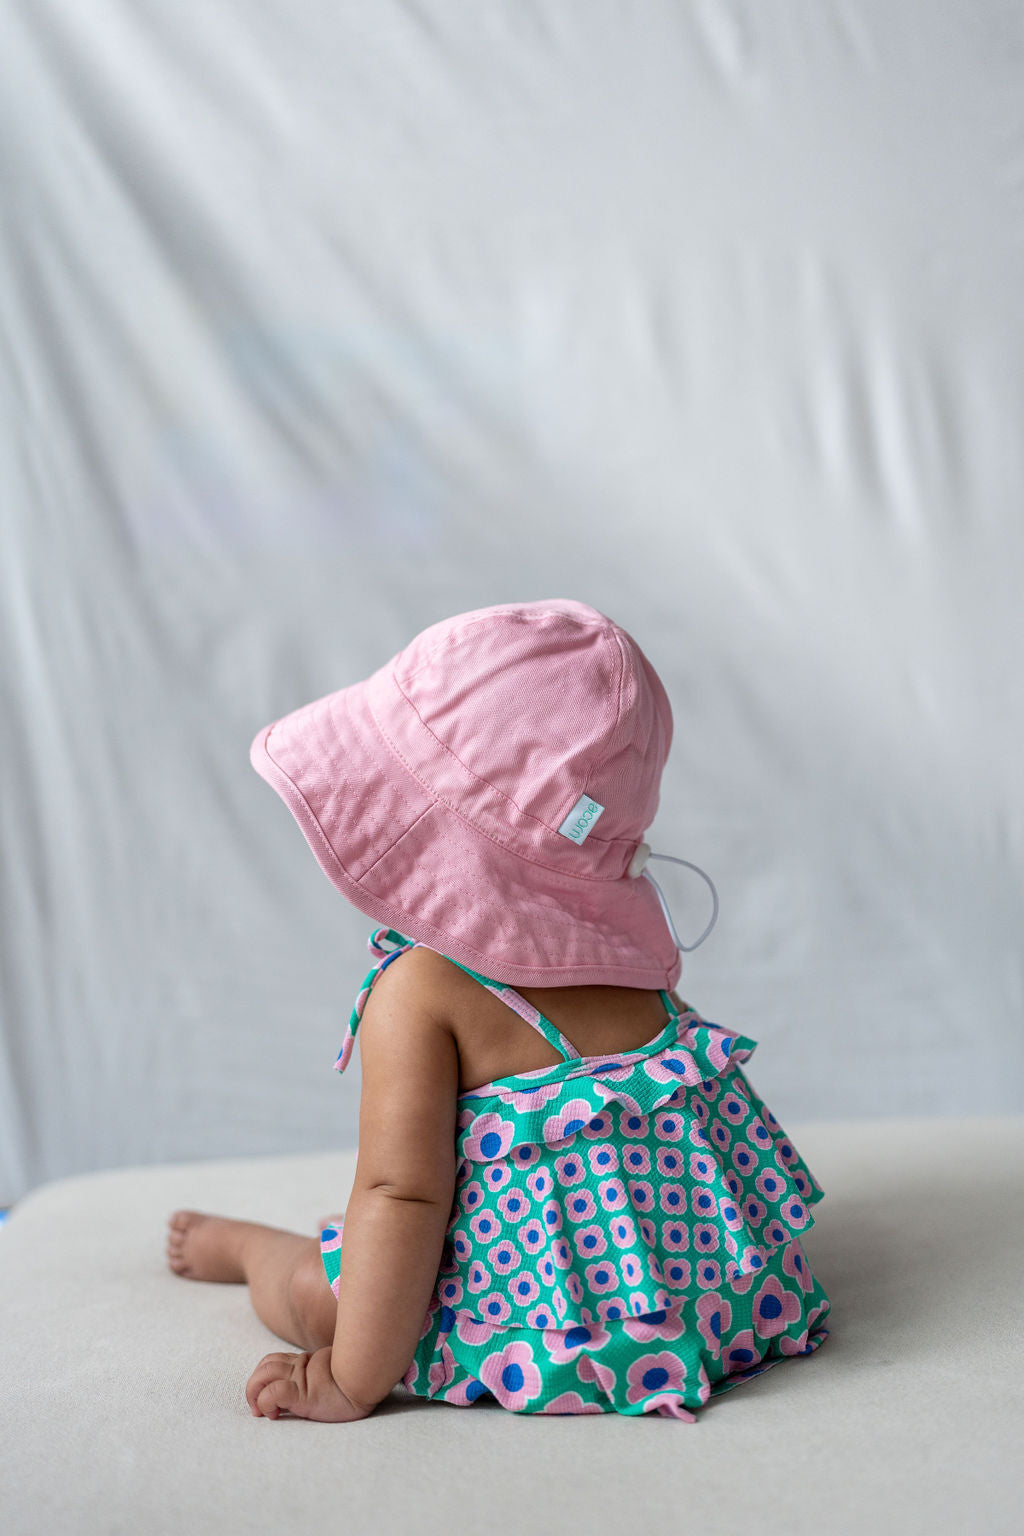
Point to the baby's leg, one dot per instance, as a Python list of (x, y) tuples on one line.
[(287, 1284)]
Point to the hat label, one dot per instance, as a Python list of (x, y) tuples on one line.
[(580, 820)]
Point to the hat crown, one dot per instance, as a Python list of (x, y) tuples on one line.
[(543, 702)]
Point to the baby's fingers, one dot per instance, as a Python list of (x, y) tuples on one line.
[(277, 1395), (270, 1369)]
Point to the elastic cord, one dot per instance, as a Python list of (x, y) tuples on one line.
[(668, 916)]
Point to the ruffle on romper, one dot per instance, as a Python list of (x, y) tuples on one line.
[(624, 1237), (695, 1171)]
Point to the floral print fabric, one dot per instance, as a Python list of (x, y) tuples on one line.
[(625, 1231)]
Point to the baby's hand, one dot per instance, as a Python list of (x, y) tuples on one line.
[(301, 1385)]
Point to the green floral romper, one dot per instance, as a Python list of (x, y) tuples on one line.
[(625, 1233)]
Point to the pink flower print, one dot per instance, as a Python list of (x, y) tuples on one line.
[(574, 1286), (611, 1308), (558, 1302), (821, 1310), (794, 1212), (485, 1225), (669, 1405), (775, 1234), (330, 1237), (523, 1289), (733, 1107), (513, 1205), (666, 1323), (785, 1154), (590, 1241), (641, 1194), (769, 1119), (709, 1275), (441, 1371), (632, 1273), (753, 1257), (569, 1168), (698, 1136), (733, 1184), (570, 1402), (669, 1066), (465, 1117), (731, 1245), (524, 1099), (730, 1214), (719, 1135), (599, 1126), (705, 1237), (531, 1235), (670, 1162), (461, 1243), (770, 1185), (757, 1133), (754, 1211), (699, 1111), (561, 1253), (479, 1277), (703, 1202), (714, 1315), (719, 1046), (602, 1276), (710, 1088), (612, 1194), (662, 1372), (743, 1160), (775, 1308), (675, 1236), (551, 1216), (741, 1352), (632, 1125), (672, 1199), (794, 1263), (539, 1183), (564, 1344), (525, 1155), (541, 1317), (471, 1331), (603, 1158), (496, 1174), (570, 1118), (669, 1125), (610, 1069), (546, 1269), (504, 1257), (410, 1375), (494, 1308), (450, 1291), (488, 1136), (801, 1181), (702, 1166), (636, 1159), (647, 1231), (471, 1195), (580, 1205), (512, 1376), (741, 1280), (677, 1274), (623, 1231), (589, 1369)]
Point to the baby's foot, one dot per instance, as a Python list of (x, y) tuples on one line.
[(204, 1247)]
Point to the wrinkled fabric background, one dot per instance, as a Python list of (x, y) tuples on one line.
[(320, 323)]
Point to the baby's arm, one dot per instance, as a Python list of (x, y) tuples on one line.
[(401, 1201)]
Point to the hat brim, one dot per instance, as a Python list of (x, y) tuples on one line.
[(410, 862)]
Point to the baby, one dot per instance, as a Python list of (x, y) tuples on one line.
[(568, 1196)]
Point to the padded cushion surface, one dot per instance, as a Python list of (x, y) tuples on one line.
[(123, 1385)]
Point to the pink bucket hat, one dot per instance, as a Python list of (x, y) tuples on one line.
[(486, 792)]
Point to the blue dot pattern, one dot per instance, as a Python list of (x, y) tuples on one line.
[(625, 1232)]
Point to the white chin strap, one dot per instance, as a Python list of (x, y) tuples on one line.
[(636, 867)]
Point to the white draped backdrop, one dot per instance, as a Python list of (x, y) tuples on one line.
[(320, 322)]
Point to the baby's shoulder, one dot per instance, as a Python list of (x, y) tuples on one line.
[(422, 980)]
